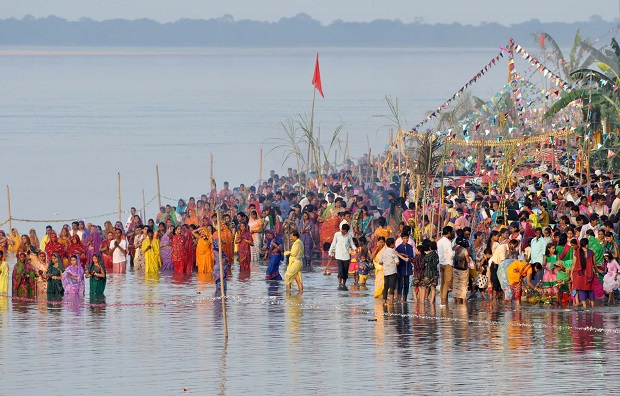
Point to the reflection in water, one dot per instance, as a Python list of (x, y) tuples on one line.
[(344, 342), (4, 305), (244, 276), (293, 316), (222, 371)]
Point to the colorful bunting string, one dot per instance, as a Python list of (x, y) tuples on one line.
[(458, 93), (501, 142)]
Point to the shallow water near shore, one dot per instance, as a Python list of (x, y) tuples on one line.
[(322, 342)]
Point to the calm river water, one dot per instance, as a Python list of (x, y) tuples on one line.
[(323, 342)]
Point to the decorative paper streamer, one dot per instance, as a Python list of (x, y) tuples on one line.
[(505, 142), (472, 81)]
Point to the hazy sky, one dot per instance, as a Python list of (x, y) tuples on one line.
[(463, 11)]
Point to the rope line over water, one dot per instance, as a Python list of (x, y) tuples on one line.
[(68, 220), (362, 311)]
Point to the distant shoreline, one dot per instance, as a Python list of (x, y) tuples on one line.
[(40, 50), (299, 31)]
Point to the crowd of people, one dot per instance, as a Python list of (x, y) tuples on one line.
[(551, 238)]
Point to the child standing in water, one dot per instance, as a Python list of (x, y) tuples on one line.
[(482, 280), (353, 265), (363, 268)]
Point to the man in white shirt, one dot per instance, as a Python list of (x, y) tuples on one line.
[(75, 230), (340, 250), (446, 254), (389, 261), (132, 213), (119, 252), (588, 225), (346, 219), (307, 200), (537, 247)]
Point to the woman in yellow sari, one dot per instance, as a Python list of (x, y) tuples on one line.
[(4, 275), (14, 241), (205, 259), (296, 254), (376, 258), (152, 254)]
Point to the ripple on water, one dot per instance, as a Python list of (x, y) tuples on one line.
[(324, 341)]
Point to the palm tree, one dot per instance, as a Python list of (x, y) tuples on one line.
[(597, 89)]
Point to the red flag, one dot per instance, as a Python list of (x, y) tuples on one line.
[(316, 79), (610, 153), (542, 39)]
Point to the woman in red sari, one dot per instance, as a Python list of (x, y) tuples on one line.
[(583, 272), (106, 252), (179, 250), (190, 250), (75, 248), (53, 246), (244, 242)]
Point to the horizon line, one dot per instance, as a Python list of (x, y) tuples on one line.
[(594, 18)]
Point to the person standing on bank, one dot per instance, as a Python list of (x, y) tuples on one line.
[(446, 256), (340, 250)]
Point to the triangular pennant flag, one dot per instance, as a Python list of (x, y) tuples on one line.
[(467, 139), (598, 146), (610, 153), (486, 132), (316, 79)]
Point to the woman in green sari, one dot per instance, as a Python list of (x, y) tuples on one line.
[(23, 277), (97, 274), (565, 261), (54, 277)]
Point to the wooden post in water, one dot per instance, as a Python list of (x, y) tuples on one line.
[(119, 196), (158, 187), (143, 208), (8, 200)]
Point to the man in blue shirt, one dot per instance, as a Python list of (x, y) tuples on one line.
[(404, 268)]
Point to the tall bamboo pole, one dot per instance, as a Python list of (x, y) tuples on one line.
[(310, 141), (260, 166), (143, 208), (8, 200), (119, 196), (158, 187), (222, 280)]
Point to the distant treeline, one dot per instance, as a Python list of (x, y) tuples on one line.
[(298, 31)]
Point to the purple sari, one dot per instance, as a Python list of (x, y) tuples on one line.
[(73, 286), (166, 253), (93, 245)]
